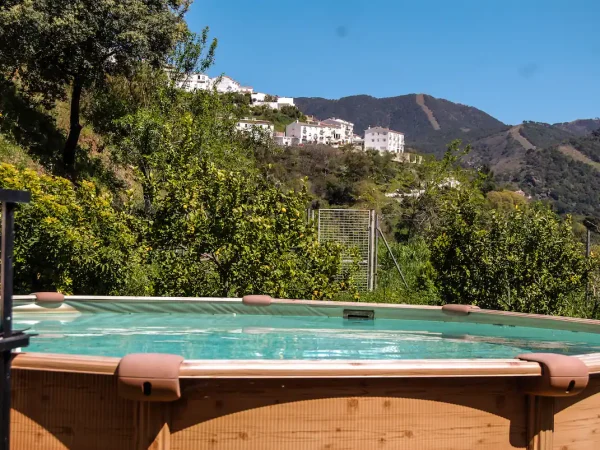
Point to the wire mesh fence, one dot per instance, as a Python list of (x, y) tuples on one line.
[(354, 229)]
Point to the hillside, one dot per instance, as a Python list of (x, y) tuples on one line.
[(505, 151), (580, 127), (567, 175), (429, 123)]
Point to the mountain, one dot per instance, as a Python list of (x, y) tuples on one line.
[(567, 174), (556, 162), (580, 127), (428, 123), (505, 151)]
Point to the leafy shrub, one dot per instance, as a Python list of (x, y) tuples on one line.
[(522, 260), (226, 233), (70, 238)]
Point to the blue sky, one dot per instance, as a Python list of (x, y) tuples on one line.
[(515, 59)]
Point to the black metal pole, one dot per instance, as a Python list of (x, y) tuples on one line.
[(9, 340), (8, 220)]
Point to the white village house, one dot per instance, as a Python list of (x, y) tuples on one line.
[(314, 133), (256, 127), (227, 84), (223, 84), (347, 129), (285, 141), (196, 81), (384, 139)]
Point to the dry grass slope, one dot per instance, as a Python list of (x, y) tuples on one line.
[(432, 120), (572, 152)]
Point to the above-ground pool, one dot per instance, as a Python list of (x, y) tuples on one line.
[(257, 373), (246, 336)]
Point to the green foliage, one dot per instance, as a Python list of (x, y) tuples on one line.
[(224, 233), (570, 185), (71, 239), (506, 200), (413, 257), (214, 225), (337, 177), (434, 186), (52, 43), (543, 135), (55, 44), (522, 260), (16, 155), (29, 125), (588, 145), (279, 117)]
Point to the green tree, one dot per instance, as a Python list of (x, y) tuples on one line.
[(433, 185), (506, 200), (189, 124), (524, 259), (229, 233), (54, 44), (71, 239)]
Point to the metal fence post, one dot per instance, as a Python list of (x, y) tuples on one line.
[(372, 250), (9, 339)]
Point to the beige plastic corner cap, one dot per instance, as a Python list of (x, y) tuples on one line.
[(152, 377), (562, 375), (257, 300), (458, 310)]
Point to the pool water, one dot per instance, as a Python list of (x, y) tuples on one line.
[(197, 336)]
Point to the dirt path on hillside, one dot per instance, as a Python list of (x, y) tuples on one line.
[(572, 152), (515, 133), (432, 120)]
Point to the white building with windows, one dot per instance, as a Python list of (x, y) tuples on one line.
[(312, 133), (384, 140), (346, 128), (283, 140), (195, 81), (226, 84), (223, 84), (256, 126)]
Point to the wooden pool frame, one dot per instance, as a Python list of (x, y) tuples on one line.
[(79, 402)]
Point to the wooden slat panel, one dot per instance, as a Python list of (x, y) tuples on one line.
[(52, 411), (577, 419), (540, 431), (350, 414)]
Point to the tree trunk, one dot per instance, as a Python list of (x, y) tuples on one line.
[(148, 199), (74, 126)]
